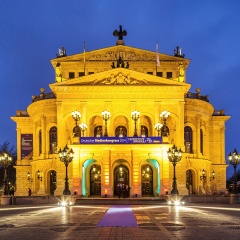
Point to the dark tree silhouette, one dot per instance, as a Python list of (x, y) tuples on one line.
[(6, 147)]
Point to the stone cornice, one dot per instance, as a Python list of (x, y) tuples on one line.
[(21, 119), (119, 92), (220, 118), (199, 103), (42, 104)]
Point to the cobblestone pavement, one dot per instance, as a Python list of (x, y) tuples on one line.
[(190, 222)]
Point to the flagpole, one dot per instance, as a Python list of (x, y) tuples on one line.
[(157, 58), (84, 59)]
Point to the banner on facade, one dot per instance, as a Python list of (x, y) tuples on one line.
[(26, 145), (118, 140)]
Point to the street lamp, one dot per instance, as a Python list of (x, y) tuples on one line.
[(39, 175), (76, 115), (174, 156), (213, 176), (5, 161), (66, 156), (158, 127), (106, 116), (135, 116), (83, 127), (234, 160), (164, 116), (203, 177), (29, 177)]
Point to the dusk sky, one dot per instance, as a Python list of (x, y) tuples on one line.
[(208, 31)]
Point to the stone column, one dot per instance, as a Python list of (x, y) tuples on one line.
[(198, 120), (106, 186), (43, 126), (180, 127), (136, 181)]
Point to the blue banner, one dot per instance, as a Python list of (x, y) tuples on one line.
[(118, 140)]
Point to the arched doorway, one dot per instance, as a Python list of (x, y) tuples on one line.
[(147, 180), (121, 176), (189, 181), (53, 182), (95, 180)]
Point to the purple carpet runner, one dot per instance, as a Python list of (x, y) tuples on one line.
[(118, 216)]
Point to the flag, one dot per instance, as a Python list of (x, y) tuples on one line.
[(157, 56)]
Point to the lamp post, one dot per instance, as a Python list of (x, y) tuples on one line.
[(29, 177), (135, 116), (203, 176), (158, 127), (234, 160), (105, 116), (76, 115), (83, 127), (5, 161), (164, 116), (39, 175), (66, 156), (174, 156), (213, 176)]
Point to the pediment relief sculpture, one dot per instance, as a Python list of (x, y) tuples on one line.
[(119, 79), (126, 55)]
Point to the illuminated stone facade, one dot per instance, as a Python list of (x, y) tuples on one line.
[(120, 79)]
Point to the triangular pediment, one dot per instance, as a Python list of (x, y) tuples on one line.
[(120, 76), (113, 53)]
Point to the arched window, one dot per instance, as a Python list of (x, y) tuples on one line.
[(120, 131), (40, 141), (188, 139), (201, 141), (144, 131), (53, 140), (98, 131)]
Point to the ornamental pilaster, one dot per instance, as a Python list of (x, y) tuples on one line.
[(180, 133), (198, 126), (43, 127)]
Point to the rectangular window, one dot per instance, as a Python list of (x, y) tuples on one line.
[(71, 75), (81, 74), (159, 74), (169, 74), (90, 73), (151, 73)]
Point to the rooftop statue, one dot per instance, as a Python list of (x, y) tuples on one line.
[(120, 34)]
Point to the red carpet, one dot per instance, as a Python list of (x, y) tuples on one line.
[(118, 216)]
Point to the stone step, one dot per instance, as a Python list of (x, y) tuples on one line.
[(121, 201)]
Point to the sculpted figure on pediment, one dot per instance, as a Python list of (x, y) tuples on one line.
[(130, 55), (119, 79)]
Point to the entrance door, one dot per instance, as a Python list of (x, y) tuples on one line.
[(147, 180), (95, 180), (53, 178), (121, 176), (189, 181)]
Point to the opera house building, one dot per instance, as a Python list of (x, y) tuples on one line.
[(120, 116)]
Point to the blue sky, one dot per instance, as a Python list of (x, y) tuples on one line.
[(31, 32)]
